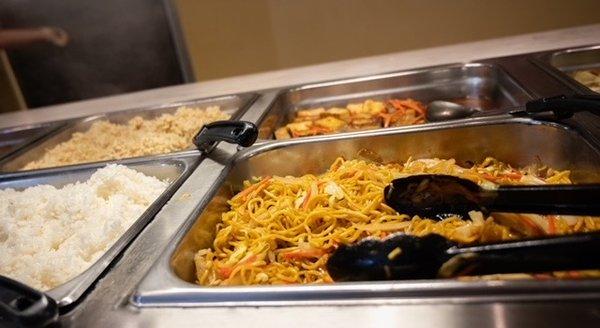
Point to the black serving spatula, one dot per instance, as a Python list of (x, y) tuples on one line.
[(402, 256), (431, 196)]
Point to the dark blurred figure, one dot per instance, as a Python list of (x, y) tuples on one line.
[(99, 48)]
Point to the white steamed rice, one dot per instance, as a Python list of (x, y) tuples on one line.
[(50, 235)]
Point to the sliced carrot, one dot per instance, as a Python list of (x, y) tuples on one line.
[(225, 272), (552, 224), (309, 196), (257, 186), (532, 225), (248, 260), (387, 118), (409, 103), (510, 176), (264, 184), (301, 254), (541, 276)]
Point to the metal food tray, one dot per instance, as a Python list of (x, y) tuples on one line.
[(485, 86), (235, 105), (561, 63), (174, 170), (13, 138), (517, 141)]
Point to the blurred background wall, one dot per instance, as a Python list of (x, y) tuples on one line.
[(233, 37)]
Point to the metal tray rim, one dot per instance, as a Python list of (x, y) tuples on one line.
[(246, 100), (48, 128), (363, 78), (161, 287), (542, 60), (70, 291)]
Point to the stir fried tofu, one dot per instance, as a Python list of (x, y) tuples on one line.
[(331, 124), (300, 129), (340, 113), (375, 107), (369, 107), (364, 119), (370, 114), (282, 133), (313, 113)]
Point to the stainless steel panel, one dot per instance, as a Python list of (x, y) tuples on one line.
[(488, 85), (13, 138), (562, 63), (174, 170), (234, 105), (518, 142)]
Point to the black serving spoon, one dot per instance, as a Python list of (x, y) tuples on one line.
[(437, 196), (402, 257)]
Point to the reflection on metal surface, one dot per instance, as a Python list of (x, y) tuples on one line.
[(561, 64), (13, 138), (500, 316), (516, 141), (421, 304), (234, 105), (173, 170), (480, 85)]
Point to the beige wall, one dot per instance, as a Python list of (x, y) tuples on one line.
[(232, 37)]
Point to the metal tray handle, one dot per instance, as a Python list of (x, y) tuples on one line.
[(23, 306), (236, 132)]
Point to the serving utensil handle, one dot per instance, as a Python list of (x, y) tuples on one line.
[(23, 306), (237, 132), (579, 199), (564, 106), (564, 253)]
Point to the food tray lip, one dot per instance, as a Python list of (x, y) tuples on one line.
[(377, 292), (161, 287), (246, 101), (72, 290), (365, 78), (542, 60), (43, 129)]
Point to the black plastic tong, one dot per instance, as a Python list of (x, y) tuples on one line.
[(404, 256), (436, 195), (408, 257), (562, 107)]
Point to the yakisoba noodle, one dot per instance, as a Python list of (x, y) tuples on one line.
[(281, 230)]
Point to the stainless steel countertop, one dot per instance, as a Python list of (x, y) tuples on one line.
[(107, 304)]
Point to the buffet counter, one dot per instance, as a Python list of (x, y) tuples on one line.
[(148, 277)]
